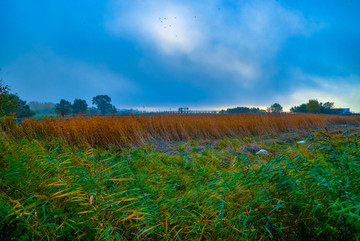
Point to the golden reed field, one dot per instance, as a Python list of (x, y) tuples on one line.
[(55, 186), (130, 131)]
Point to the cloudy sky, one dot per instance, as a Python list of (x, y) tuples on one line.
[(198, 54)]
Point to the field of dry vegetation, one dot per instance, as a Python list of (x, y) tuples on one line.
[(131, 131), (98, 179)]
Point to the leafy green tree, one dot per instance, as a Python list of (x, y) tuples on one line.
[(113, 110), (63, 108), (301, 108), (238, 110), (11, 104), (103, 103), (326, 107), (313, 106), (5, 98), (276, 108), (18, 107), (80, 106)]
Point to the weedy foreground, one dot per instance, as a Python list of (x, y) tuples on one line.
[(201, 189)]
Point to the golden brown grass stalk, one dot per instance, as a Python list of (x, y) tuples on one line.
[(130, 131)]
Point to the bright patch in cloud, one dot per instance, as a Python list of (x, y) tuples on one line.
[(240, 46), (170, 27), (173, 33)]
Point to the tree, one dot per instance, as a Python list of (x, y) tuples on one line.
[(80, 106), (5, 98), (326, 107), (313, 106), (18, 107), (301, 108), (239, 110), (11, 104), (63, 108), (276, 108), (103, 103), (113, 110)]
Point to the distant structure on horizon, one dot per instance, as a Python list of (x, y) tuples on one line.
[(186, 110), (183, 110), (341, 111)]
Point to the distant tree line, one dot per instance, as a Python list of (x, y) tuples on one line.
[(80, 107), (240, 110), (275, 108), (11, 104), (314, 106)]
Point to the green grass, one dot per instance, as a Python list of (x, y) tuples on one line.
[(45, 116), (214, 191)]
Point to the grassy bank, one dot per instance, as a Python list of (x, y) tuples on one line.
[(52, 190)]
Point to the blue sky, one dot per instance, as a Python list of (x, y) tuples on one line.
[(167, 54)]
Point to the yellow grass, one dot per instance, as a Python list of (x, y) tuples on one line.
[(130, 131)]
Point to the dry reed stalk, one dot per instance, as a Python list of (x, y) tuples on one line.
[(130, 131)]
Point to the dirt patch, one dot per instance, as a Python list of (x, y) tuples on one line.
[(190, 146)]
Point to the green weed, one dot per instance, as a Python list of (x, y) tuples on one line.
[(52, 191)]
